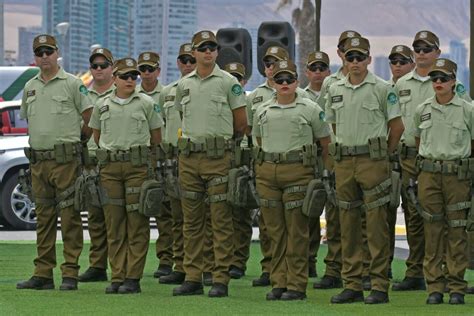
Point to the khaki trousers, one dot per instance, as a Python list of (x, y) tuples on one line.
[(128, 232), (314, 239), (49, 179), (242, 237), (164, 242), (444, 243), (195, 172), (333, 258), (354, 174), (288, 228), (177, 229)]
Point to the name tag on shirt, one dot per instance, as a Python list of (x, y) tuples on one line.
[(169, 98), (185, 92), (336, 98), (405, 93), (257, 99), (103, 108), (425, 117), (30, 93)]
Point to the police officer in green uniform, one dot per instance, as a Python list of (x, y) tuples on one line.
[(149, 67), (317, 69), (241, 216), (186, 63), (54, 102), (286, 127), (413, 89), (443, 128), (213, 111), (333, 261), (101, 61), (125, 124), (363, 109)]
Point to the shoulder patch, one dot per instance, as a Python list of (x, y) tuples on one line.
[(157, 108), (103, 108), (405, 93), (257, 99), (322, 116), (30, 93), (460, 89), (83, 89), (236, 89), (185, 92), (425, 117), (169, 98), (392, 98), (336, 98)]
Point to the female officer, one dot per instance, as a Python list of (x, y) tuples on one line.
[(285, 125)]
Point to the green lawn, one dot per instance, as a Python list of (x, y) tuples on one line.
[(16, 264)]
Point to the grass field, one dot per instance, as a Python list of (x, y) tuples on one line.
[(16, 264)]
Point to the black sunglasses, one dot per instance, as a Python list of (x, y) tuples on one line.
[(145, 68), (358, 57), (402, 62), (187, 59), (44, 50), (315, 67), (282, 79), (101, 66), (128, 75), (425, 50), (441, 77), (203, 48)]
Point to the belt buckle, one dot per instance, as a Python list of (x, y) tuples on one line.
[(351, 150)]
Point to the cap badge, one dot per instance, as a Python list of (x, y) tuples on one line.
[(187, 48), (355, 42), (274, 50), (423, 34), (283, 64), (318, 56), (129, 62), (42, 39), (440, 63), (350, 34), (205, 35), (399, 49), (146, 56), (233, 66), (100, 51)]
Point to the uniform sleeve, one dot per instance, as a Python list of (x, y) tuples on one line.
[(256, 126), (153, 115), (321, 100), (329, 111), (23, 107), (391, 103), (318, 123), (82, 101), (94, 122), (235, 95), (161, 101), (416, 123)]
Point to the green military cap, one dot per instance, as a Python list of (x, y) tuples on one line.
[(186, 49), (278, 52), (149, 58), (125, 65), (347, 34), (285, 66), (401, 50), (359, 44), (104, 52), (235, 68), (445, 66), (318, 57), (428, 37), (202, 37), (44, 40)]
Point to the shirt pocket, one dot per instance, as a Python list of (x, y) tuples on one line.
[(104, 122), (426, 132), (370, 113), (404, 105), (185, 102), (299, 126), (338, 110), (30, 106), (139, 123), (61, 105), (218, 103), (458, 133)]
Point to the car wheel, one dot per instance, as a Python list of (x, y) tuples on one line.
[(18, 210)]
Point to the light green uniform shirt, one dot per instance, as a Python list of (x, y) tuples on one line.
[(412, 91), (313, 95), (445, 131), (170, 113), (328, 81), (207, 104), (155, 95), (283, 128), (125, 125), (95, 97), (361, 112), (53, 109)]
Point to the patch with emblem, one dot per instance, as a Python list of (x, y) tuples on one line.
[(236, 89), (83, 90), (440, 63), (146, 56), (274, 50), (405, 93), (185, 92), (392, 98), (233, 66), (460, 89), (157, 108), (425, 117), (423, 34), (42, 39), (336, 98), (187, 48), (257, 99), (318, 55), (322, 116), (399, 49), (355, 42), (263, 117), (129, 62), (205, 35), (350, 34), (169, 98), (30, 93), (103, 108)]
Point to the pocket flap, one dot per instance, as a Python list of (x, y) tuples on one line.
[(459, 125), (105, 116), (60, 98), (371, 106), (218, 98), (139, 116)]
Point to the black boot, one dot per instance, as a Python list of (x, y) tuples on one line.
[(312, 273), (69, 284), (36, 283), (93, 275), (275, 294), (328, 282), (456, 299), (470, 290), (236, 273), (410, 284), (291, 295), (435, 298), (348, 296), (376, 297), (366, 285), (130, 286), (218, 290), (264, 280), (174, 278), (188, 288), (163, 269), (113, 288), (207, 278)]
